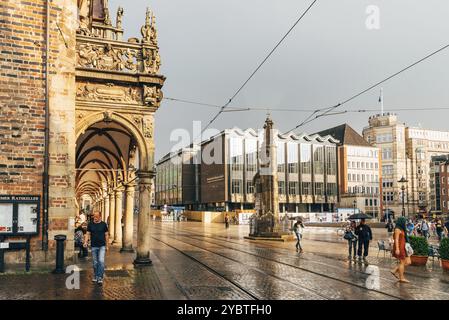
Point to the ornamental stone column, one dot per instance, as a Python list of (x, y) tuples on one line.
[(118, 216), (143, 226), (106, 208), (111, 215), (128, 230)]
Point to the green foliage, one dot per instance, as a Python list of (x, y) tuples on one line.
[(420, 246), (444, 249)]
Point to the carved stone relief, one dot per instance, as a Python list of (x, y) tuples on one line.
[(152, 95), (108, 93), (148, 128), (107, 57)]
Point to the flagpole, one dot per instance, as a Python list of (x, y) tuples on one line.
[(382, 101)]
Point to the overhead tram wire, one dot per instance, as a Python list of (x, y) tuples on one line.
[(258, 68), (302, 109), (311, 118)]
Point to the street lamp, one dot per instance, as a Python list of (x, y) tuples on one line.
[(403, 181), (354, 204)]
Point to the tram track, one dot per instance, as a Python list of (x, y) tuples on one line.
[(255, 297), (280, 251), (205, 266), (180, 239)]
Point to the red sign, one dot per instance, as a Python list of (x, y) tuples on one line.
[(2, 229)]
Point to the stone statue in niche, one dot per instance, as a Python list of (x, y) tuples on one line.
[(83, 28), (120, 12)]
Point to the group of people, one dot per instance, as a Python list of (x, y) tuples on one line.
[(94, 232), (428, 228), (358, 237)]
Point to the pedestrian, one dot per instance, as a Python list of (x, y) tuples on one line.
[(390, 228), (425, 228), (399, 249), (80, 231), (352, 239), (446, 229), (365, 235), (439, 228), (298, 228), (97, 233), (226, 221), (410, 227)]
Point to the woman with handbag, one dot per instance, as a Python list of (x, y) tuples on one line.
[(400, 250), (352, 239)]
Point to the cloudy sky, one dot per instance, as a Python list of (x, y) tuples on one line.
[(210, 47)]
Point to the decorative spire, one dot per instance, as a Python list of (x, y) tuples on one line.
[(149, 31), (146, 29)]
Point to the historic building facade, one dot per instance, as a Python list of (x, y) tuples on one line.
[(228, 162), (359, 164), (406, 152), (439, 184), (77, 116)]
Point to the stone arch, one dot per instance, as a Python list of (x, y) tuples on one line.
[(144, 152)]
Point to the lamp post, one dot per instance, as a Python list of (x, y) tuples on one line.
[(403, 181), (354, 204)]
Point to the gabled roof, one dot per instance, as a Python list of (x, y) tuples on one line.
[(346, 135)]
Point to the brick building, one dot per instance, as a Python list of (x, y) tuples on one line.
[(77, 108)]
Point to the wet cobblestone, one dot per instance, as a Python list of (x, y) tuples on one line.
[(199, 261)]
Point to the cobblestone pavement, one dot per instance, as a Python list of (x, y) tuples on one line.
[(206, 261)]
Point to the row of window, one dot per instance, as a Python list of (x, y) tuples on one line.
[(293, 188), (363, 177), (363, 190), (362, 165), (362, 152), (371, 202)]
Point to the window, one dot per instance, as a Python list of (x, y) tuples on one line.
[(387, 170), (292, 157), (331, 189), (387, 153), (318, 159), (293, 188), (349, 177), (387, 184), (236, 153), (319, 186), (249, 187), (331, 161), (292, 168), (280, 157), (388, 197), (306, 188), (236, 186), (281, 187), (386, 137), (306, 163)]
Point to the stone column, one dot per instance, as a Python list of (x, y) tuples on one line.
[(111, 215), (106, 208), (118, 216), (143, 228), (128, 230)]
